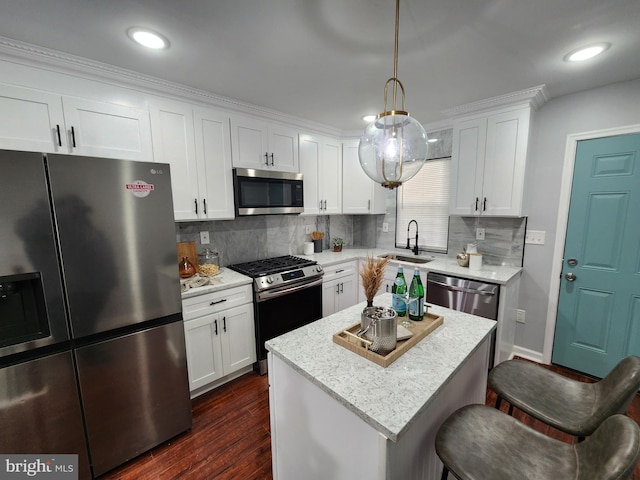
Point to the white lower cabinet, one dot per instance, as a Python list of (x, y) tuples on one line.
[(220, 337), (339, 287)]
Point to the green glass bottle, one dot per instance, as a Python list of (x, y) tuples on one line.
[(416, 297), (399, 291)]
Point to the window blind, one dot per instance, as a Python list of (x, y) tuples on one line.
[(425, 198)]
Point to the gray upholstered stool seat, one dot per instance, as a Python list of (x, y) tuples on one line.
[(479, 442), (574, 407)]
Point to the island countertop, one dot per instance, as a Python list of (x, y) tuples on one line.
[(388, 398)]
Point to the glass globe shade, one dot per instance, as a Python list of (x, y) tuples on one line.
[(393, 149)]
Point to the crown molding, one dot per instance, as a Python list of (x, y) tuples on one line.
[(39, 57), (534, 97)]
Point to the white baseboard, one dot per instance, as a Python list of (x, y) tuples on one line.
[(528, 354)]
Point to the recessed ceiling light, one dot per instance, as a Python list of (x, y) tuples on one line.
[(585, 53), (369, 118), (148, 38), (432, 140)]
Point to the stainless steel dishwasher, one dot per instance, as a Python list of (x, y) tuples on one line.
[(464, 295)]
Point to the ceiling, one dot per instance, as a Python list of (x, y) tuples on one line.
[(327, 60)]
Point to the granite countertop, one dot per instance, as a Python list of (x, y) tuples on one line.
[(227, 278), (389, 398), (440, 263)]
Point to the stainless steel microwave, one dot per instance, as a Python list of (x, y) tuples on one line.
[(263, 192)]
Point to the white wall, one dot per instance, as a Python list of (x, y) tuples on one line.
[(616, 105)]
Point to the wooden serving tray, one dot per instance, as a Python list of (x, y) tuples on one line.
[(349, 340)]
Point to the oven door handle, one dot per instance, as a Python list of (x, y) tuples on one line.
[(460, 289), (285, 291)]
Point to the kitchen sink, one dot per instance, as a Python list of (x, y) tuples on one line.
[(406, 258)]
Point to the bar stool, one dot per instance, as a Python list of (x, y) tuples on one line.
[(574, 407), (478, 442)]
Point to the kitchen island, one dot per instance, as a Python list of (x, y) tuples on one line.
[(335, 414)]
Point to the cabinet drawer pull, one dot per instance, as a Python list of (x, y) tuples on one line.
[(340, 271), (484, 206), (204, 203), (73, 137), (266, 158), (224, 323), (215, 324), (59, 137), (219, 301), (477, 204), (195, 201), (272, 162)]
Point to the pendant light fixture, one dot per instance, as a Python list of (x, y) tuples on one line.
[(393, 147)]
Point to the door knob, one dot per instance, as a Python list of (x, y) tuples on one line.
[(570, 277)]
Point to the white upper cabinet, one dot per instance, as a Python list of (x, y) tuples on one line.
[(107, 130), (360, 194), (196, 142), (263, 146), (31, 120), (321, 167), (488, 164), (45, 122)]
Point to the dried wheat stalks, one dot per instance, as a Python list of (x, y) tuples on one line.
[(372, 274), (317, 235)]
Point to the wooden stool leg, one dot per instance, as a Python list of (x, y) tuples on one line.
[(498, 401), (445, 473), (510, 409)]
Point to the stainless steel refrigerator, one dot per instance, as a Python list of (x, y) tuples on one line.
[(92, 352)]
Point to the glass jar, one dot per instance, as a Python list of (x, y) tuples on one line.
[(208, 263)]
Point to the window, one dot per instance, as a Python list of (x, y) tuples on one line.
[(425, 199)]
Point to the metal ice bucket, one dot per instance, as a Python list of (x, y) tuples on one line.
[(382, 331)]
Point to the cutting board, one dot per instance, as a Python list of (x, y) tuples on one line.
[(188, 249)]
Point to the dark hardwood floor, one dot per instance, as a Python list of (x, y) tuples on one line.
[(230, 436)]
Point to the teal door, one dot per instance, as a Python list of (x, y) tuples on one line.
[(598, 320)]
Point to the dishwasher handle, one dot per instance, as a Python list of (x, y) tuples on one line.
[(460, 289)]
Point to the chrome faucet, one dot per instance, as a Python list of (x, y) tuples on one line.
[(415, 248)]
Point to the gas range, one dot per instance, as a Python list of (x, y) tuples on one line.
[(277, 272)]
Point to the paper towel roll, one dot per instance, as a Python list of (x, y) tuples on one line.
[(308, 248), (475, 261)]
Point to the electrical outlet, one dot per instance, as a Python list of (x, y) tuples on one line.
[(520, 316), (204, 238), (385, 227), (535, 237), (479, 233), (308, 229)]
